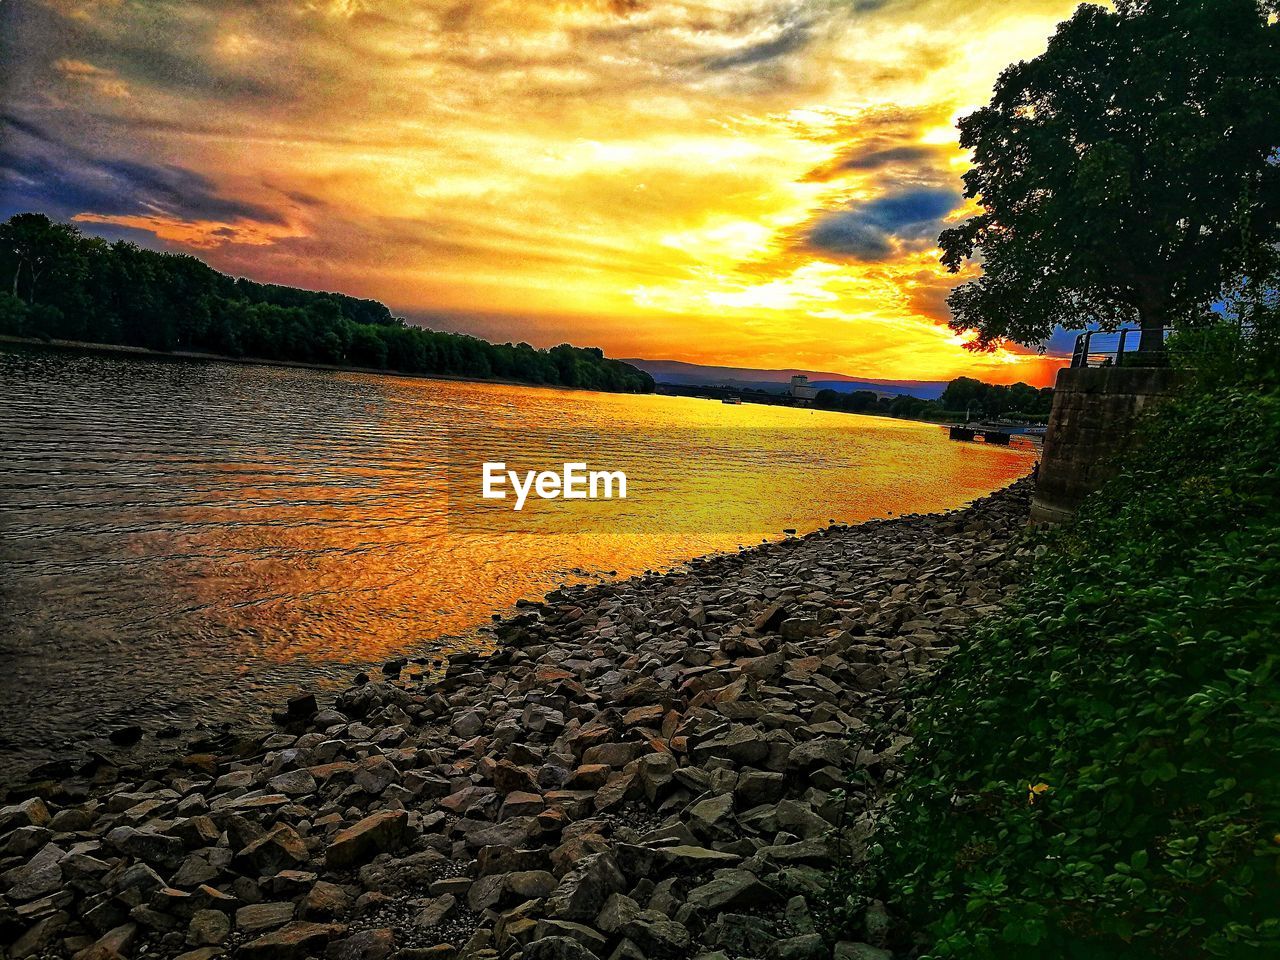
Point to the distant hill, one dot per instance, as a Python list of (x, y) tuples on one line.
[(680, 373)]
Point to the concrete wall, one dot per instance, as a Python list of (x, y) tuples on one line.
[(1094, 409)]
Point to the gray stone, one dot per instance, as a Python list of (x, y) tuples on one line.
[(208, 928), (582, 892), (557, 948), (40, 876), (729, 889), (846, 950), (434, 913), (712, 819), (807, 946), (377, 944)]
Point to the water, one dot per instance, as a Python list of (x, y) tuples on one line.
[(181, 541)]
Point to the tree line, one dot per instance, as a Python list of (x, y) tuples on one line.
[(65, 285), (963, 396)]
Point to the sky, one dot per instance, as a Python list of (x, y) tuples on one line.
[(742, 182)]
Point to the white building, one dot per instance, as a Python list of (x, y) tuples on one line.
[(800, 389)]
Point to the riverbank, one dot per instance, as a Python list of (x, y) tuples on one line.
[(84, 346), (646, 768)]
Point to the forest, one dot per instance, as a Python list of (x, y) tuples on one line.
[(67, 286), (964, 398)]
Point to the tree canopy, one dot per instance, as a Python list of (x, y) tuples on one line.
[(68, 286), (1126, 174), (962, 395)]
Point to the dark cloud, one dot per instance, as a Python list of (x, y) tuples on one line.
[(879, 228), (918, 164), (792, 35), (40, 172), (875, 159)]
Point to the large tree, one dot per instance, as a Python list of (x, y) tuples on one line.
[(33, 244), (1125, 175)]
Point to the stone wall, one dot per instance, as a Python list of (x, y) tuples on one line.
[(1094, 411)]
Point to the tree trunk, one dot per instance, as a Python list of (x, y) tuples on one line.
[(1152, 315), (1152, 339)]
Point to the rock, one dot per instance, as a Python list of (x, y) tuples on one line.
[(469, 724), (324, 901), (582, 892), (808, 946), (611, 754), (208, 928), (876, 920), (647, 716), (557, 948), (510, 778), (531, 884), (375, 944), (589, 776), (797, 628), (28, 813), (742, 745), (740, 935), (770, 618), (377, 833), (799, 818), (435, 912), (256, 917), (158, 849), (755, 787), (729, 889), (112, 945), (712, 819), (846, 950), (300, 707), (125, 736), (294, 941), (279, 849), (39, 877), (293, 783), (823, 752)]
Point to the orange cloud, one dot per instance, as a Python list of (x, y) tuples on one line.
[(755, 182)]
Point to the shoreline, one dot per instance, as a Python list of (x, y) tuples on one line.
[(88, 346), (641, 768)]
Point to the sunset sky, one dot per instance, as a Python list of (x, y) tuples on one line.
[(741, 182)]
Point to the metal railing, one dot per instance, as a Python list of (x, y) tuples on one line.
[(1118, 348)]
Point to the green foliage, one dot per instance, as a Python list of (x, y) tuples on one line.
[(67, 286), (963, 395), (994, 399), (1096, 773), (1128, 173)]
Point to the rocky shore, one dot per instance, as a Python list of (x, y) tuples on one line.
[(655, 768)]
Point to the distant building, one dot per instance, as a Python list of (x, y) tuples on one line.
[(800, 389)]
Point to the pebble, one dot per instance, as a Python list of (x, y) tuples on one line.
[(641, 769)]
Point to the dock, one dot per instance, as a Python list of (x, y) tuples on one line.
[(997, 433)]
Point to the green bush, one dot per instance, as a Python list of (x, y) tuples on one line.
[(1096, 773)]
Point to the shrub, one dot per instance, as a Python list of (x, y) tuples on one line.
[(1096, 773)]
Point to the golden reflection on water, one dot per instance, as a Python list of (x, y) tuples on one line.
[(182, 530), (358, 554)]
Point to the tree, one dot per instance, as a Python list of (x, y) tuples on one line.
[(1124, 175), (33, 243), (121, 293)]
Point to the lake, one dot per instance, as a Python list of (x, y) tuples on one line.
[(182, 541)]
